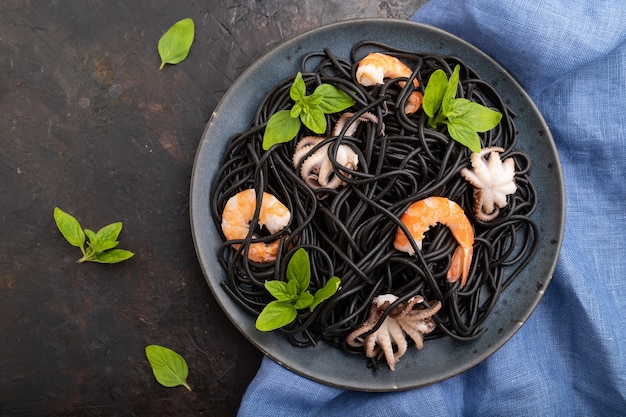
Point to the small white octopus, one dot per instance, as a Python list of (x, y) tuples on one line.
[(405, 319), (492, 180), (316, 167)]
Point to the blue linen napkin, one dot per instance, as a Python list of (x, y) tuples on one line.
[(569, 359)]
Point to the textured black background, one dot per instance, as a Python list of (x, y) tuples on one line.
[(88, 123)]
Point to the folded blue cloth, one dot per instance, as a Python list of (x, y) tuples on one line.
[(569, 359)]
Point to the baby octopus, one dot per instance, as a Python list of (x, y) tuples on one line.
[(492, 180), (403, 320), (317, 169)]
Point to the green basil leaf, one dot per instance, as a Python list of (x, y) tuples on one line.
[(91, 235), (99, 242), (296, 110), (324, 293), (462, 132), (314, 119), (305, 300), (69, 228), (275, 315), (333, 100), (313, 100), (109, 233), (299, 270), (113, 256), (95, 246), (281, 127), (298, 88), (110, 244), (175, 44), (168, 367), (293, 289), (450, 93), (279, 290), (458, 107), (481, 118), (434, 92)]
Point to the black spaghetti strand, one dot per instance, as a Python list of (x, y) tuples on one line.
[(349, 231)]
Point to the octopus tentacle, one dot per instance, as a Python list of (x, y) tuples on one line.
[(365, 117), (376, 312), (396, 334), (318, 171)]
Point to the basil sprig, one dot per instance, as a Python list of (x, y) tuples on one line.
[(101, 244), (310, 110), (168, 367), (463, 118), (175, 44), (293, 294)]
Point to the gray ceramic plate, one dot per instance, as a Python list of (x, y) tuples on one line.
[(441, 358)]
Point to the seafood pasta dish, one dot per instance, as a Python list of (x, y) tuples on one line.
[(374, 202)]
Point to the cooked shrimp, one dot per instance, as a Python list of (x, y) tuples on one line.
[(423, 214), (375, 67), (238, 213)]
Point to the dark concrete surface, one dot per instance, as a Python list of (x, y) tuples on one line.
[(88, 123)]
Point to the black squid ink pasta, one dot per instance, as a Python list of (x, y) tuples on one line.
[(349, 231)]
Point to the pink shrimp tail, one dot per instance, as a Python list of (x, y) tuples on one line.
[(460, 264), (414, 102)]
